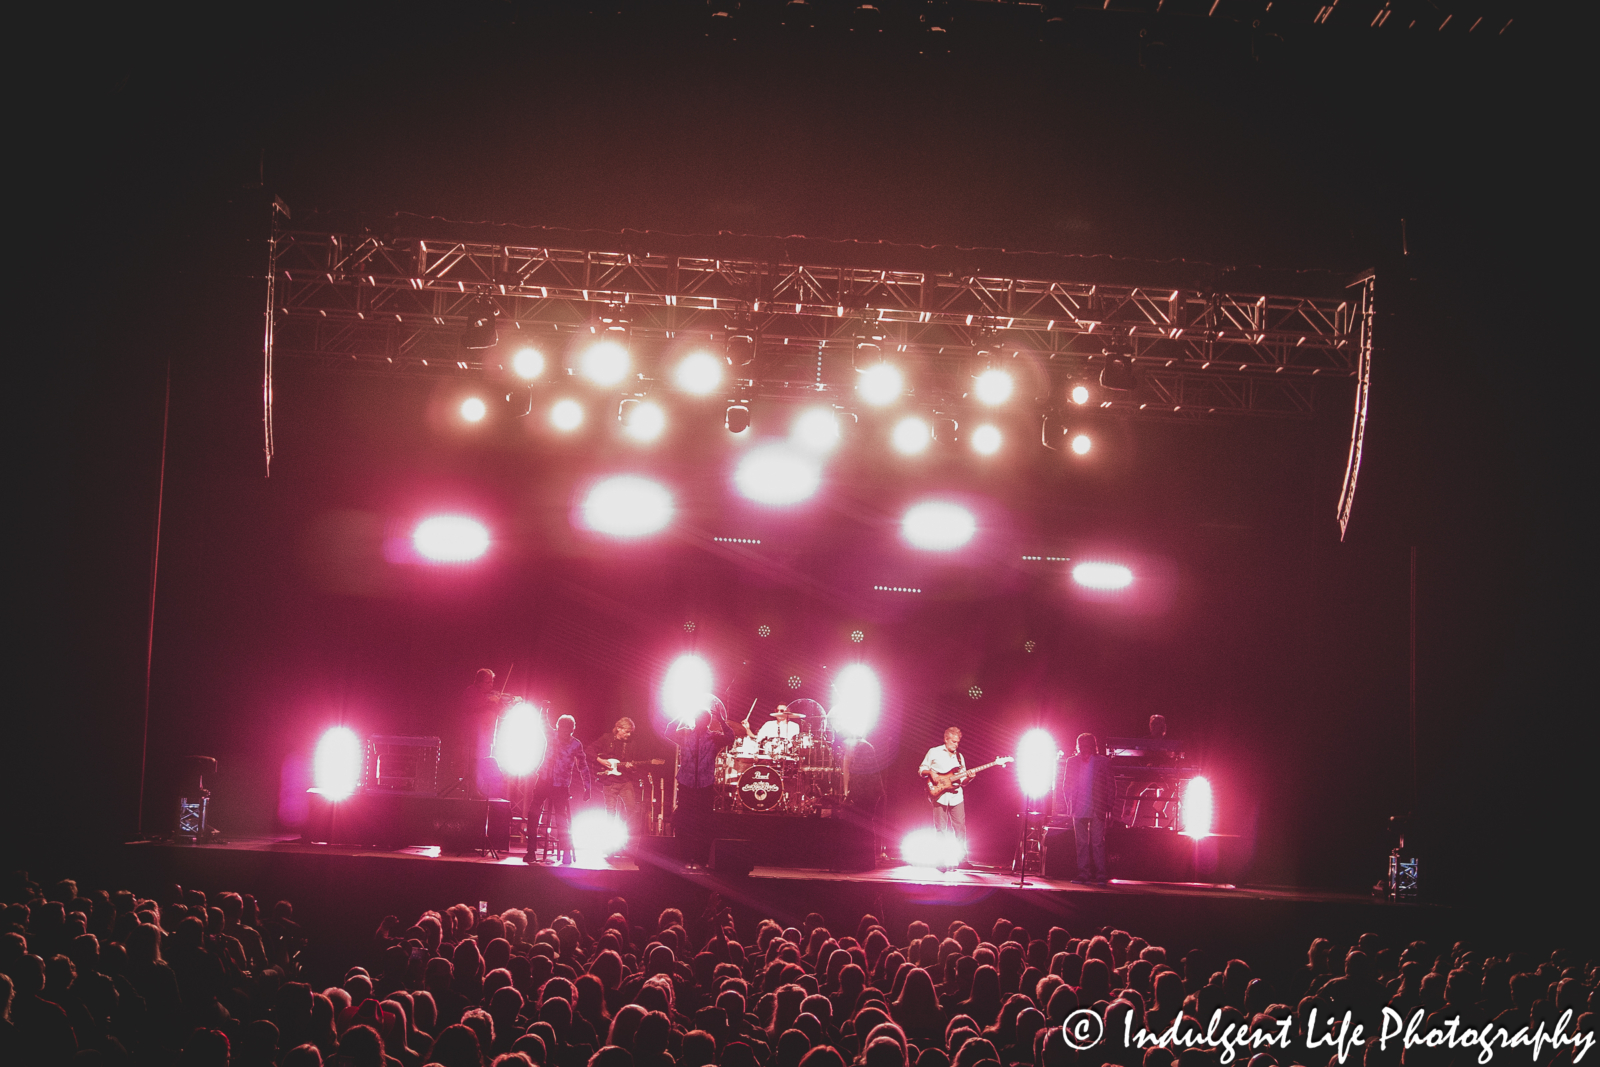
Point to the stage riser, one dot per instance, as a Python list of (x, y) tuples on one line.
[(1154, 856), (398, 821), (740, 842)]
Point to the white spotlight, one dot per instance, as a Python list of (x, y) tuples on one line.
[(986, 440), (993, 386), (473, 409), (604, 363), (930, 848), (880, 384), (1197, 808), (597, 834), (644, 421), (336, 766), (566, 415), (528, 363), (1081, 444), (450, 539), (938, 526), (699, 373), (627, 506), (1080, 394), (685, 689), (1036, 763), (911, 436), (777, 474), (816, 429), (519, 740), (857, 695), (1102, 575)]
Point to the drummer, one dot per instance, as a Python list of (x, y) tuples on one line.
[(783, 725)]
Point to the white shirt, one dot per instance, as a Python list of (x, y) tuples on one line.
[(774, 728), (939, 759)]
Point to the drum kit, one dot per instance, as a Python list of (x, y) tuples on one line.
[(798, 774)]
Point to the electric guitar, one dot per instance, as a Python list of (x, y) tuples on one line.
[(950, 781), (614, 766)]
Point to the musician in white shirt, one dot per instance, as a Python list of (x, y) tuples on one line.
[(949, 811), (782, 725)]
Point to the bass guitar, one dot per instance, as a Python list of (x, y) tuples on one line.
[(950, 781)]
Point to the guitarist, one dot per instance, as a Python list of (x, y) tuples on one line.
[(949, 811), (619, 772)]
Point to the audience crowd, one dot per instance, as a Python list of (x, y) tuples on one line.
[(108, 977)]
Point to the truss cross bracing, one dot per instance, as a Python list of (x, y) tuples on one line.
[(403, 304)]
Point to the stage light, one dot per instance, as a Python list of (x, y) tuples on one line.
[(911, 436), (777, 474), (880, 384), (644, 420), (699, 373), (627, 506), (473, 409), (1080, 394), (738, 418), (528, 363), (519, 740), (986, 440), (816, 429), (604, 363), (938, 526), (336, 766), (857, 696), (1102, 575), (1081, 444), (686, 688), (566, 415), (1117, 374), (450, 539), (993, 387), (1197, 808), (1036, 763), (929, 848), (597, 834)]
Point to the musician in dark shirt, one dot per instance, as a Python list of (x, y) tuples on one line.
[(1089, 790), (620, 778), (470, 729)]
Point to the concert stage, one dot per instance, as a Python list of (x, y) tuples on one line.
[(355, 887)]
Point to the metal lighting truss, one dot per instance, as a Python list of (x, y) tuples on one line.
[(404, 304)]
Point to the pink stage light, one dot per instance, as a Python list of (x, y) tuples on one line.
[(929, 848), (986, 440), (450, 539), (816, 430), (336, 766), (857, 697), (604, 363), (528, 363), (880, 384), (566, 415), (519, 740), (473, 409), (1102, 575), (993, 387), (777, 475), (686, 688), (1036, 763), (1080, 394), (911, 436), (627, 506), (1081, 444), (938, 526), (1197, 808)]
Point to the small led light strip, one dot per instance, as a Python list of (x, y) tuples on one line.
[(738, 540), (1049, 559), (895, 589)]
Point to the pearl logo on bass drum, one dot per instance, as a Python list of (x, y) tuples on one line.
[(761, 787)]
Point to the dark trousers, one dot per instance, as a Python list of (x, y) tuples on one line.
[(691, 821), (622, 800), (1091, 835), (552, 803)]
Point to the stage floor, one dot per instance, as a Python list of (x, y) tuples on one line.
[(645, 859)]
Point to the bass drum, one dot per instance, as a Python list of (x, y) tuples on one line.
[(761, 788)]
